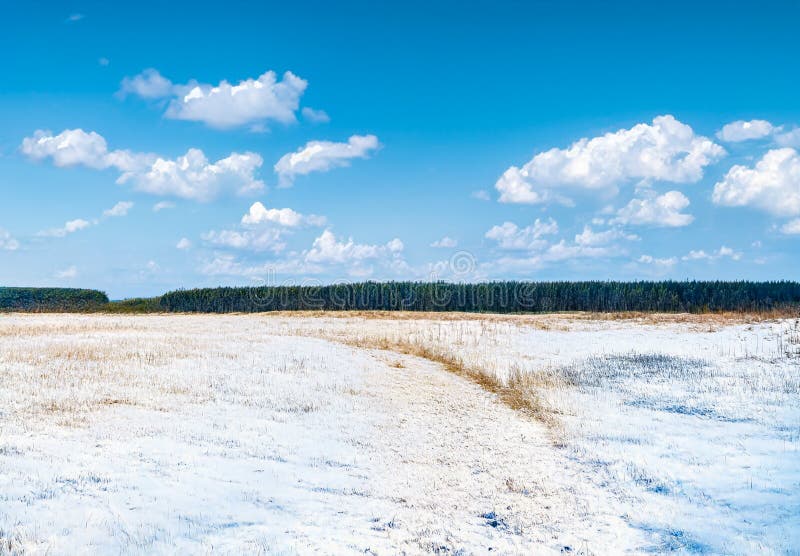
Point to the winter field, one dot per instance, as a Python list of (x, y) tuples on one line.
[(399, 433)]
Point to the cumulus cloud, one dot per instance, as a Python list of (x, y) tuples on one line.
[(666, 150), (722, 252), (790, 228), (741, 130), (660, 211), (327, 254), (772, 185), (191, 176), (149, 84), (445, 243), (562, 250), (259, 214), (120, 209), (315, 116), (546, 254), (509, 236), (269, 239), (183, 244), (328, 249), (249, 102), (589, 237), (321, 156), (540, 252), (74, 147), (69, 227), (789, 138), (7, 241), (658, 262), (72, 226), (263, 229)]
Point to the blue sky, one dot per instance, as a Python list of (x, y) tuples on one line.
[(146, 146)]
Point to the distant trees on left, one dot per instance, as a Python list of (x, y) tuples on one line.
[(51, 299)]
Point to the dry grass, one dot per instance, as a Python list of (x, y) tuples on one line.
[(556, 321), (519, 391), (64, 370)]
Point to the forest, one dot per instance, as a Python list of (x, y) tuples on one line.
[(495, 297), (51, 299), (490, 297)]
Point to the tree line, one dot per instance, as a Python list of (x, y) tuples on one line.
[(51, 299), (489, 297), (494, 297)]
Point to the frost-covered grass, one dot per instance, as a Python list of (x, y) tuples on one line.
[(419, 433), (696, 426), (221, 434)]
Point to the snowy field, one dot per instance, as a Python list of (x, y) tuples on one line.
[(297, 434)]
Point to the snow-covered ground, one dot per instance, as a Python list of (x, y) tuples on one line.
[(694, 425), (290, 434)]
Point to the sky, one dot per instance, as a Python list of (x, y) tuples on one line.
[(151, 146)]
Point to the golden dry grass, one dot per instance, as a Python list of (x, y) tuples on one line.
[(557, 321), (520, 391)]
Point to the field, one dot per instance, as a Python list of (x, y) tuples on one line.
[(384, 433)]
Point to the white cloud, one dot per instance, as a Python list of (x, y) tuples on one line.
[(667, 150), (546, 254), (511, 237), (315, 116), (658, 262), (265, 229), (163, 205), (789, 138), (148, 84), (270, 239), (773, 185), (723, 251), (69, 228), (71, 147), (589, 237), (321, 156), (67, 273), (74, 18), (445, 243), (191, 176), (120, 209), (7, 241), (481, 195), (539, 252), (103, 61), (790, 228), (183, 244), (741, 130), (72, 226), (250, 102), (562, 250), (327, 254), (259, 214), (661, 211), (328, 249)]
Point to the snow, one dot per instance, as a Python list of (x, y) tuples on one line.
[(695, 426), (287, 434)]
